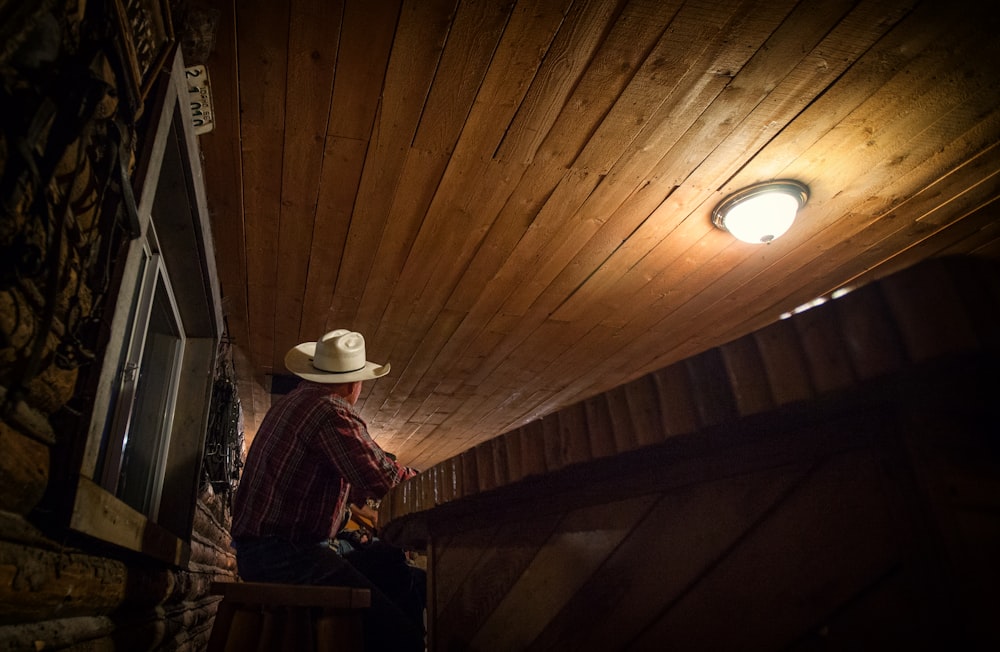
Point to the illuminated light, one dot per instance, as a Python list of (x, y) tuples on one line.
[(762, 212)]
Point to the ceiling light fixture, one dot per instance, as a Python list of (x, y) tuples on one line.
[(761, 212)]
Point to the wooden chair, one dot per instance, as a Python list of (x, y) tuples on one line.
[(265, 617)]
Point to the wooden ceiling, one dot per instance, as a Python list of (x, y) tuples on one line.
[(511, 199)]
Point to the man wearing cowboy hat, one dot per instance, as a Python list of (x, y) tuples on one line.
[(310, 458)]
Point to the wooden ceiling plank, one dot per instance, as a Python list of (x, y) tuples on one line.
[(661, 282), (623, 50), (472, 39), (313, 35), (846, 263), (979, 222), (506, 365), (427, 279), (491, 182), (516, 216), (514, 63), (635, 32), (419, 180), (443, 442), (395, 438), (365, 46), (531, 28), (519, 309), (480, 363), (905, 40), (434, 409), (586, 347), (624, 268), (831, 247), (439, 286), (514, 374), (577, 41), (365, 43), (932, 97), (976, 237), (343, 160), (429, 437), (262, 41), (470, 196), (677, 64), (630, 176), (409, 379), (428, 448), (416, 47), (470, 43)]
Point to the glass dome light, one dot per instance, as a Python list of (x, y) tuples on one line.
[(761, 212)]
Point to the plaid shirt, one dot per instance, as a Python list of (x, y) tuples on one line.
[(311, 456)]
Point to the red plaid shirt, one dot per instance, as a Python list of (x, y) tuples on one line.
[(311, 456)]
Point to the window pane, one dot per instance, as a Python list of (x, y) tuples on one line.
[(146, 438), (120, 401)]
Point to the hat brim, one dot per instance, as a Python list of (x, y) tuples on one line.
[(299, 361)]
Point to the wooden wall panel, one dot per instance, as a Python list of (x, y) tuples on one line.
[(826, 541), (682, 534), (826, 474), (581, 542), (803, 531), (497, 567)]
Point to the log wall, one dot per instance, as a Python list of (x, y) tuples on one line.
[(54, 596), (70, 125)]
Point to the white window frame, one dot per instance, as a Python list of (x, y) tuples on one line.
[(154, 272), (183, 259)]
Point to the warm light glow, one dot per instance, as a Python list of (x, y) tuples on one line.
[(761, 213), (762, 218)]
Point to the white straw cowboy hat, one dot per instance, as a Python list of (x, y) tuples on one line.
[(338, 357)]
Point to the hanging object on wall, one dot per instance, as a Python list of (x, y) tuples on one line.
[(224, 444), (147, 38), (200, 99)]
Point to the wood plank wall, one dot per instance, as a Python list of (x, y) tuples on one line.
[(939, 307), (828, 481)]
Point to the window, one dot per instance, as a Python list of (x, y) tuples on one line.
[(141, 463), (135, 443)]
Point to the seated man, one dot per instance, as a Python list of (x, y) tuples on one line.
[(310, 458)]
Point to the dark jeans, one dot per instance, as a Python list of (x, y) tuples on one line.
[(387, 627)]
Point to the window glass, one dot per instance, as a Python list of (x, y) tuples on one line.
[(147, 433)]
